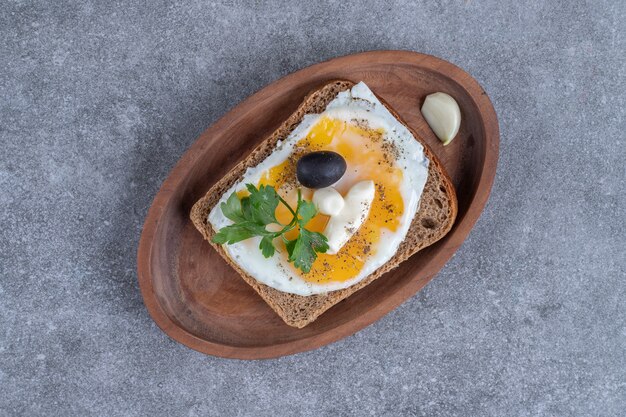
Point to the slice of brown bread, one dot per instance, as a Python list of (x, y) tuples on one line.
[(436, 214)]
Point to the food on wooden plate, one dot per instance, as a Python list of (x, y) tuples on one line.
[(443, 115), (305, 239)]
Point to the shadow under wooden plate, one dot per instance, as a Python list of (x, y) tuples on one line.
[(198, 300)]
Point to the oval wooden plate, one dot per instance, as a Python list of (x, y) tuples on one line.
[(198, 300)]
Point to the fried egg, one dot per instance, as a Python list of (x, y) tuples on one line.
[(376, 147)]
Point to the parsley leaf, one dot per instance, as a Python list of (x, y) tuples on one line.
[(289, 245), (234, 233), (304, 249), (267, 247), (263, 202), (232, 208), (306, 210)]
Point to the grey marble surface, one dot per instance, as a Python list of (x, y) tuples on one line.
[(98, 100)]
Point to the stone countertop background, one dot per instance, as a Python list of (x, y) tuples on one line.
[(98, 100)]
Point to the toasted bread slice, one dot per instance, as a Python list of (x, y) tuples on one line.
[(436, 214)]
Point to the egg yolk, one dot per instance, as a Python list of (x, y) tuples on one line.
[(368, 157)]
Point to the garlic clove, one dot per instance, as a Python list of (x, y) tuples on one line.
[(443, 115), (328, 201), (341, 227)]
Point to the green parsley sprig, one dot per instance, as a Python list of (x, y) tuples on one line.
[(251, 215)]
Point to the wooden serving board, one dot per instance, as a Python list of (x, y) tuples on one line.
[(198, 300)]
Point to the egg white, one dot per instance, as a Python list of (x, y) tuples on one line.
[(356, 103)]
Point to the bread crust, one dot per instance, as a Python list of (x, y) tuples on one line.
[(435, 216)]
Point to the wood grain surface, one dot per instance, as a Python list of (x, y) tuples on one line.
[(200, 301)]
